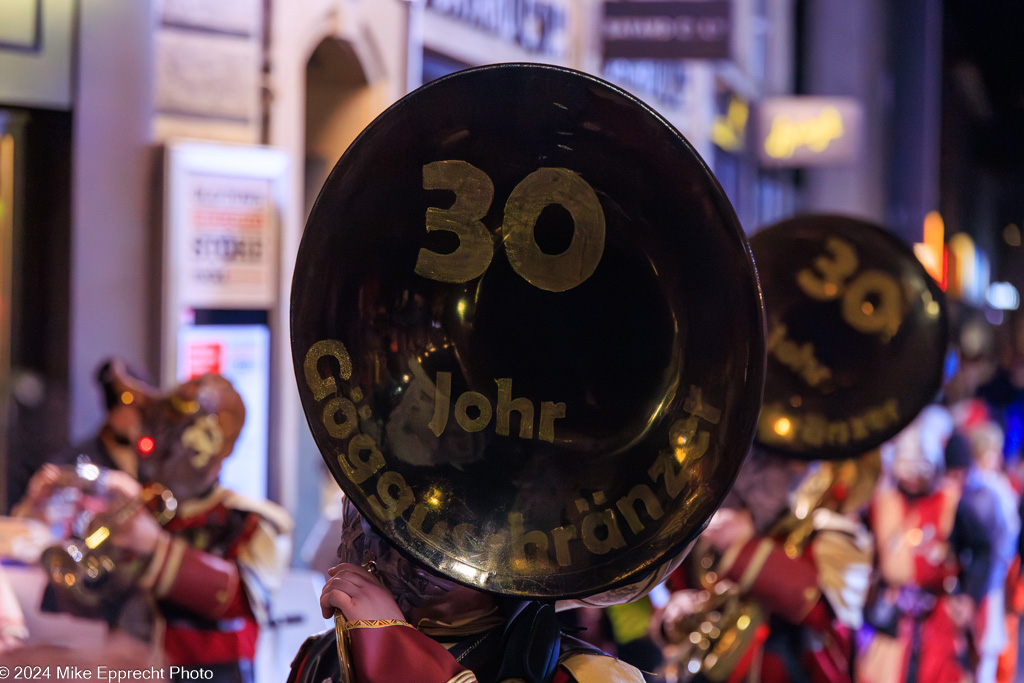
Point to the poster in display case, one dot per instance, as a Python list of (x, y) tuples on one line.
[(241, 353)]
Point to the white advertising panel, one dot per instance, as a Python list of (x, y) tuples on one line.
[(241, 353)]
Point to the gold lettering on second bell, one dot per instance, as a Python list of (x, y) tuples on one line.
[(801, 359)]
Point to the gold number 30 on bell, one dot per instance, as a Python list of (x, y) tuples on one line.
[(474, 193), (871, 300)]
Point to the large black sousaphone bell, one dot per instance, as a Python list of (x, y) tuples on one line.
[(528, 333)]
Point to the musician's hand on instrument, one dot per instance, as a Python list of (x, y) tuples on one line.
[(125, 485), (40, 488), (681, 605), (42, 483), (358, 594), (728, 528), (140, 533)]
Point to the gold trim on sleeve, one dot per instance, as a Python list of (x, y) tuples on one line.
[(375, 623), (175, 555)]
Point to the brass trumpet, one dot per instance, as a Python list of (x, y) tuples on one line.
[(85, 563), (711, 641)]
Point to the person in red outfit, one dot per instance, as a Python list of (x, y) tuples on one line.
[(925, 596), (199, 585), (213, 566), (790, 572), (405, 623)]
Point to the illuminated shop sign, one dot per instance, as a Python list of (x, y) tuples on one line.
[(538, 26), (808, 131), (960, 268), (223, 210), (662, 79), (678, 29), (729, 130)]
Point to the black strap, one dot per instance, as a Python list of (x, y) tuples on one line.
[(531, 645)]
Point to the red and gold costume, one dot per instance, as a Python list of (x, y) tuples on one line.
[(463, 636), (924, 597), (914, 635), (787, 601), (383, 652), (198, 587), (212, 574)]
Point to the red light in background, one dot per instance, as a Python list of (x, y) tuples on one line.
[(146, 445)]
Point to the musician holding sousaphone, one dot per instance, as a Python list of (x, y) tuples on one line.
[(857, 330), (529, 343)]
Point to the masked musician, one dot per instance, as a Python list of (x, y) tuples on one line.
[(214, 564), (206, 573), (114, 445), (795, 564), (405, 623)]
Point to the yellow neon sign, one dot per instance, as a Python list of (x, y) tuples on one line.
[(786, 134), (727, 131)]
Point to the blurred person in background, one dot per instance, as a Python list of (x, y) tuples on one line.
[(983, 536), (199, 585), (12, 620), (780, 574), (996, 627), (114, 445), (933, 560)]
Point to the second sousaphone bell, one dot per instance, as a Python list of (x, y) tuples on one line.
[(857, 334)]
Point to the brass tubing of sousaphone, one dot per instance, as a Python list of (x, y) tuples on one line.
[(344, 649)]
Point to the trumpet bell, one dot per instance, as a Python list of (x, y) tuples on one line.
[(87, 575)]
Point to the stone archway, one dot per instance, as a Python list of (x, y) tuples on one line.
[(339, 103)]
